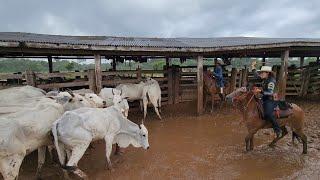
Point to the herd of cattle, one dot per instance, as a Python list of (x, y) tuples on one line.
[(29, 117)]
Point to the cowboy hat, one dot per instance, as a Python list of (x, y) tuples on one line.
[(266, 69), (220, 61)]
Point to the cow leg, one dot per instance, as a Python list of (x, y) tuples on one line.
[(145, 106), (66, 155), (41, 160), (50, 150), (109, 140), (76, 155), (10, 166), (155, 105), (141, 105)]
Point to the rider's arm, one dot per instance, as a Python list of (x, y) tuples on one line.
[(270, 89), (255, 74)]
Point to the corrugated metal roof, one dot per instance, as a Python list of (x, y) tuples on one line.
[(148, 42)]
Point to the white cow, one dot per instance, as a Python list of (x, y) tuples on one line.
[(148, 91), (27, 130), (91, 124), (92, 98), (151, 94), (108, 94), (19, 94)]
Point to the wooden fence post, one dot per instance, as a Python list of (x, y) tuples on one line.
[(240, 78), (97, 60), (305, 82), (50, 64), (139, 75), (283, 74), (244, 77), (92, 80), (200, 84), (176, 84), (31, 78), (233, 80), (170, 84)]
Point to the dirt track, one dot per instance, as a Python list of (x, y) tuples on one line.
[(206, 147)]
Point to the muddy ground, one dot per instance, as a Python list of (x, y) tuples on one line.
[(208, 147)]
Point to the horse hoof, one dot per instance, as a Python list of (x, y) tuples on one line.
[(272, 145)]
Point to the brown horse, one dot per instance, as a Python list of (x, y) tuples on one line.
[(211, 88), (246, 102)]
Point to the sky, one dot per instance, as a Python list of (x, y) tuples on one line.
[(163, 18)]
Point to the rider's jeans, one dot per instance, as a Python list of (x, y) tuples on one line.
[(268, 107)]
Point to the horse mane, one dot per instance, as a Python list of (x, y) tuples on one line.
[(209, 81)]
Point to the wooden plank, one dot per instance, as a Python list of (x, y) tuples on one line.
[(11, 76), (63, 85), (283, 74), (60, 74), (200, 84), (97, 62), (124, 72)]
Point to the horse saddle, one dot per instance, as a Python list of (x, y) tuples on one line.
[(283, 109)]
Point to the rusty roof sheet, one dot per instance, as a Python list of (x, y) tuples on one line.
[(148, 42)]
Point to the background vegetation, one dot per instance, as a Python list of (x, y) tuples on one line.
[(21, 65)]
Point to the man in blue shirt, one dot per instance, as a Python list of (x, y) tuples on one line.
[(218, 74)]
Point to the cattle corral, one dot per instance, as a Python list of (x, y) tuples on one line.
[(200, 146)]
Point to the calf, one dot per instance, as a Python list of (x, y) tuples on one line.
[(91, 124)]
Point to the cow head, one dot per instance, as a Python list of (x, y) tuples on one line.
[(143, 137), (95, 100), (121, 104), (72, 101)]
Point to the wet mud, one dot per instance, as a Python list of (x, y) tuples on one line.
[(211, 146)]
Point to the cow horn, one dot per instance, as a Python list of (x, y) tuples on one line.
[(112, 92), (120, 92), (139, 125), (142, 121), (70, 92)]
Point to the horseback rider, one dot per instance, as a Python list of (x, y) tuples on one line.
[(218, 74), (268, 87)]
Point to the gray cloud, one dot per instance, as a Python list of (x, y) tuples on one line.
[(163, 18)]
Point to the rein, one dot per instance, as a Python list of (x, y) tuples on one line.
[(244, 113)]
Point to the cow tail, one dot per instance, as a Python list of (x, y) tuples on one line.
[(159, 103), (147, 94), (56, 142)]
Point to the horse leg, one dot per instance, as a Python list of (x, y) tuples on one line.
[(249, 140), (212, 102), (284, 133), (251, 143), (303, 138)]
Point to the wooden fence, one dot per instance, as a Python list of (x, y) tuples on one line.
[(178, 84)]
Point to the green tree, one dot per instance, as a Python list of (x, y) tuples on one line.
[(70, 66)]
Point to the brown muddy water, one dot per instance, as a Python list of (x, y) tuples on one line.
[(208, 147)]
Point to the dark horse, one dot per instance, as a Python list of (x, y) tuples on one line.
[(246, 102), (210, 87)]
